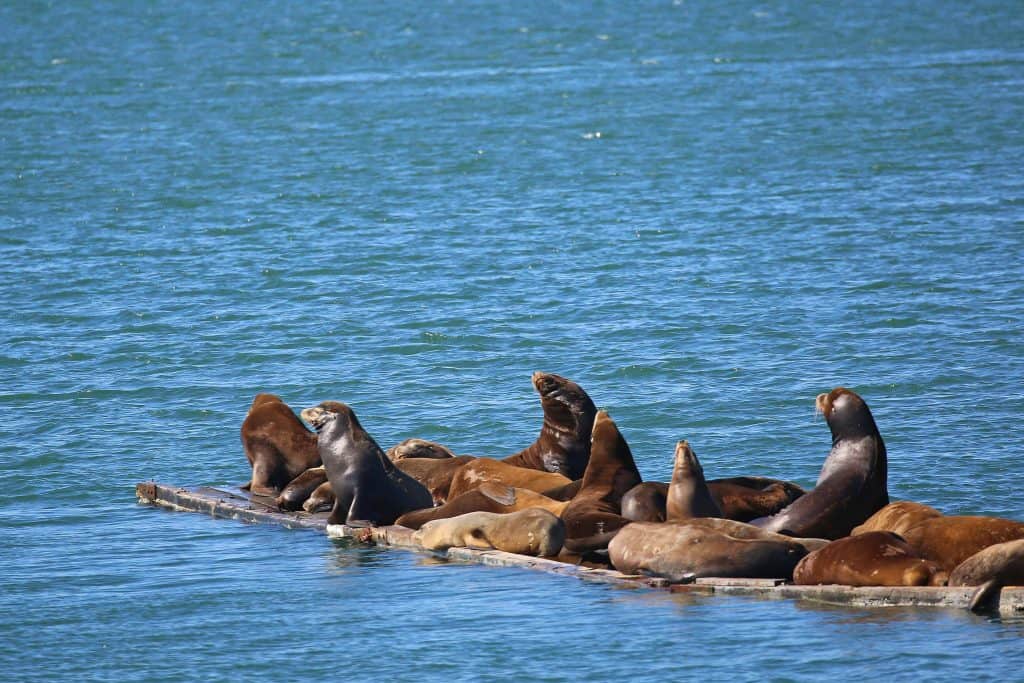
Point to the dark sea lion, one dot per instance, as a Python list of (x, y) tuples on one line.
[(948, 541), (277, 445), (488, 497), (488, 470), (683, 551), (990, 569), (739, 498), (688, 494), (418, 448), (301, 488), (434, 473), (321, 499), (852, 484), (369, 490), (897, 517), (873, 558), (563, 445), (593, 516), (527, 532)]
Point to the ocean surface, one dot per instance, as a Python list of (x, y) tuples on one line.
[(705, 213)]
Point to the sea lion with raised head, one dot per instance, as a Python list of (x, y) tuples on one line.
[(948, 541), (418, 448), (299, 489), (897, 517), (489, 497), (739, 498), (532, 531), (563, 445), (593, 516), (852, 485), (488, 470), (683, 551), (873, 558), (688, 494), (434, 473), (990, 569), (277, 445), (368, 489)]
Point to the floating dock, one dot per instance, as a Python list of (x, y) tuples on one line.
[(233, 503)]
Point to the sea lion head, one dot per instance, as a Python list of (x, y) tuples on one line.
[(845, 412), (320, 416), (261, 399), (564, 400), (686, 459)]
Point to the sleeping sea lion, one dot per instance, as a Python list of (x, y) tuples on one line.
[(488, 497), (368, 489), (277, 445), (852, 484), (948, 541), (434, 473), (990, 569), (532, 531), (873, 558), (488, 470), (321, 499), (299, 489), (418, 448), (897, 517)]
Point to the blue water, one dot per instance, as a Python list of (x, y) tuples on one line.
[(705, 213)]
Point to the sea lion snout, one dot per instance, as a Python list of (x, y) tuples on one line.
[(316, 416)]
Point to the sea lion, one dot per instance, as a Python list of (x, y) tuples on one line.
[(739, 498), (321, 499), (418, 448), (990, 569), (434, 473), (852, 484), (300, 488), (563, 445), (593, 516), (488, 470), (873, 558), (948, 541), (688, 494), (897, 517), (277, 445), (736, 529), (683, 551), (369, 490), (488, 497), (527, 532)]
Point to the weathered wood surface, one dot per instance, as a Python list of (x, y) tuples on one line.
[(233, 503)]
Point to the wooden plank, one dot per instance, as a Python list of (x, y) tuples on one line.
[(233, 503)]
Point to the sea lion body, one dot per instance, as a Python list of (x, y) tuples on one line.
[(593, 516), (852, 485), (948, 541), (645, 502), (990, 569), (897, 517), (299, 489), (418, 448), (488, 470), (873, 558), (434, 473), (688, 494), (277, 445), (532, 531), (739, 498), (682, 551), (563, 445), (489, 497), (368, 489)]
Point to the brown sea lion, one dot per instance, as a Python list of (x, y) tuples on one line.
[(736, 529), (990, 569), (739, 498), (897, 517), (683, 551), (873, 558), (688, 494), (277, 445), (563, 445), (566, 492), (488, 470), (948, 541), (488, 497), (321, 499), (852, 484), (301, 488), (593, 516), (527, 532), (418, 448), (434, 473), (368, 489)]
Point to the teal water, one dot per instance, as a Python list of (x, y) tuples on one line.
[(705, 213)]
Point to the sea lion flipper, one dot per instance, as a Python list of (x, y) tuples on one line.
[(499, 493), (985, 594)]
